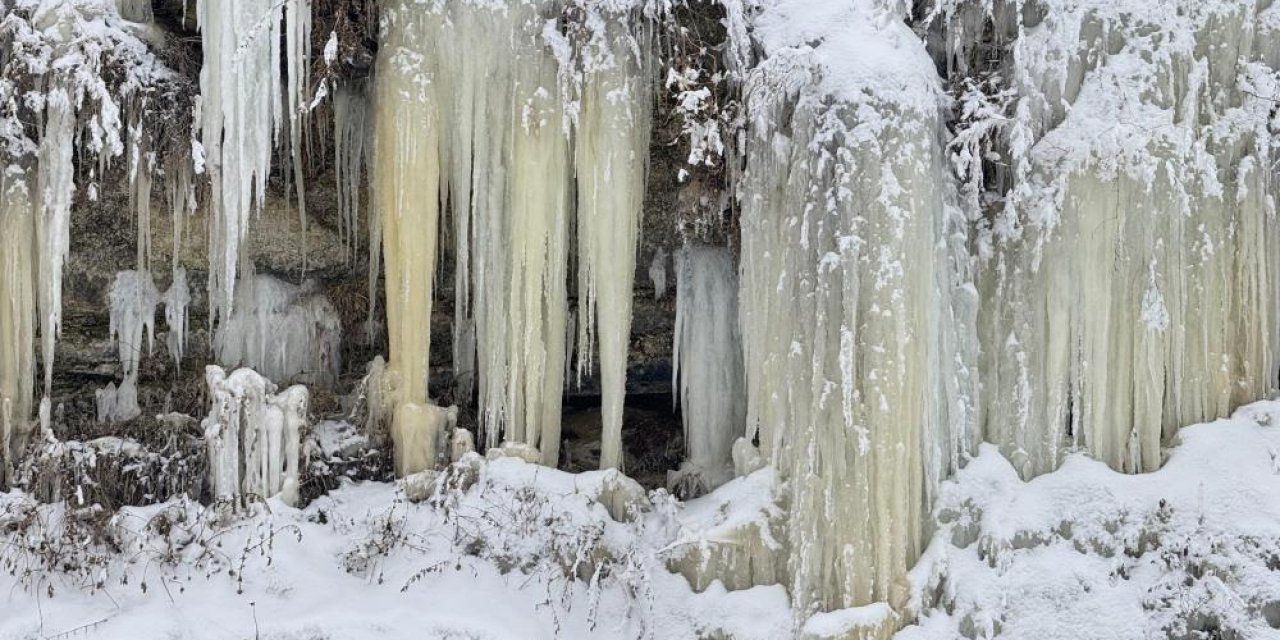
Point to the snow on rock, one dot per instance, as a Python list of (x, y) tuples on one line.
[(287, 332), (254, 436)]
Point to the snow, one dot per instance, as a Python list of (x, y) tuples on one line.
[(1086, 552), (364, 561)]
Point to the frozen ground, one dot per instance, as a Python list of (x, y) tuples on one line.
[(1192, 550)]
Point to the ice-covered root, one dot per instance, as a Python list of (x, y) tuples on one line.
[(253, 436), (417, 431), (693, 479), (746, 458), (877, 621)]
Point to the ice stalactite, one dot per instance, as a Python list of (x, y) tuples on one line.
[(55, 182), (241, 116), (254, 436), (476, 113), (133, 314), (17, 314), (845, 289), (1131, 289), (707, 364), (611, 165), (287, 332), (352, 133)]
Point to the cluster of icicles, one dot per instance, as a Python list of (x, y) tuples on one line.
[(878, 322)]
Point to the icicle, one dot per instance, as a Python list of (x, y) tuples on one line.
[(176, 300), (241, 99), (56, 185), (474, 120), (1130, 292), (845, 282), (658, 273), (707, 366), (352, 127), (611, 164)]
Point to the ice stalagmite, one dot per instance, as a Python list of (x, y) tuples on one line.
[(845, 285), (707, 364), (1132, 288), (253, 436), (476, 113)]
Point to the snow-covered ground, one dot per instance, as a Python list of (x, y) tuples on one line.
[(504, 549)]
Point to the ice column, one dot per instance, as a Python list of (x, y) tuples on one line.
[(707, 364), (845, 291), (17, 315)]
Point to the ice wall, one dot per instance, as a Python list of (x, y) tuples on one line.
[(1130, 287), (855, 384), (253, 436), (707, 364), (498, 122)]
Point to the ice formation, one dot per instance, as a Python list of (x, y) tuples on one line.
[(707, 363), (243, 94), (63, 51), (1131, 289), (133, 314), (253, 435), (495, 117), (852, 382), (287, 332)]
